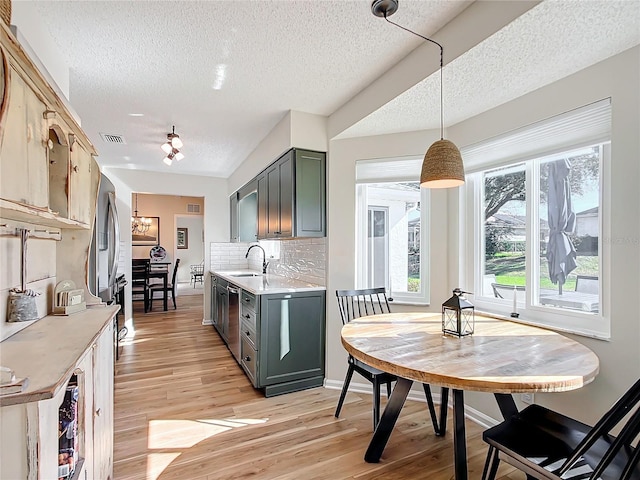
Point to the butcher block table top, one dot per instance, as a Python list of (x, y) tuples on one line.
[(500, 357)]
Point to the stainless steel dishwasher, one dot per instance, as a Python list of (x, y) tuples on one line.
[(234, 321)]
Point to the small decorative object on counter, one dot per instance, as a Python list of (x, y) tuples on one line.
[(9, 384), (458, 317), (68, 299), (22, 305)]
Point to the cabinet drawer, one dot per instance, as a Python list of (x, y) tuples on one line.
[(249, 300), (249, 359), (248, 317), (249, 333)]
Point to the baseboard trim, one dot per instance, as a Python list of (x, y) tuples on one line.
[(207, 321), (417, 394)]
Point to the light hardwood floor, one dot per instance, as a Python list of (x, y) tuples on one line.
[(185, 410)]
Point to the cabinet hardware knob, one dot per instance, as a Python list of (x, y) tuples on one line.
[(75, 168), (248, 333), (98, 412), (247, 358), (247, 316)]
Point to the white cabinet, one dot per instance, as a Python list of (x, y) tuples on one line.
[(46, 159), (29, 433)]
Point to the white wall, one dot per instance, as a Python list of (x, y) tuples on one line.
[(194, 254)]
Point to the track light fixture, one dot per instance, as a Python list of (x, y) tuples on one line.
[(442, 166)]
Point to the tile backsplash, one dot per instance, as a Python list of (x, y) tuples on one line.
[(303, 259)]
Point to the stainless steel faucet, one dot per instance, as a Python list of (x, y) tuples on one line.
[(265, 264)]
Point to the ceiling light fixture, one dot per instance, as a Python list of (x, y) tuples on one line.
[(442, 166), (171, 146), (139, 225)]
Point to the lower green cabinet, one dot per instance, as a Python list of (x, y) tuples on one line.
[(283, 340)]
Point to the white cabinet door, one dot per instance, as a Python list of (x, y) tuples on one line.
[(103, 405)]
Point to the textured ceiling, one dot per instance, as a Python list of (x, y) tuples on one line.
[(223, 72), (549, 42)]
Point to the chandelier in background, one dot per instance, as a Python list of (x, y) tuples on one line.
[(171, 147), (139, 225)]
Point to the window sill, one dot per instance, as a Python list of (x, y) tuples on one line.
[(409, 303), (523, 319)]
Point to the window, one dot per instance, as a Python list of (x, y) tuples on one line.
[(391, 229), (539, 221)]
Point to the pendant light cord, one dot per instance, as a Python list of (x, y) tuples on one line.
[(441, 64)]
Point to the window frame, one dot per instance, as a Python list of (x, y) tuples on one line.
[(361, 267), (588, 324)]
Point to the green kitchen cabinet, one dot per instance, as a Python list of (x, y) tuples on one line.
[(292, 196), (283, 340)]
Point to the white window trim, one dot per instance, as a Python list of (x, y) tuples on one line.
[(393, 170), (564, 320)]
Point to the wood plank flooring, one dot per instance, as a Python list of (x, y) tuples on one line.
[(185, 410)]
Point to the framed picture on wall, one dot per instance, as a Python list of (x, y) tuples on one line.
[(143, 235), (182, 238)]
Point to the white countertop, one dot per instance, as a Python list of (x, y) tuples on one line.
[(265, 284), (47, 351)]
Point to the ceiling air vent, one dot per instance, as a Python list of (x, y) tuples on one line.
[(110, 138), (193, 208)]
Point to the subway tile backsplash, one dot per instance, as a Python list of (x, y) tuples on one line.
[(303, 259)]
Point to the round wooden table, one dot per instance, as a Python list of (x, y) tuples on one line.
[(501, 357)]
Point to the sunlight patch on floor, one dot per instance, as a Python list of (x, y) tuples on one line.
[(187, 433), (158, 462)]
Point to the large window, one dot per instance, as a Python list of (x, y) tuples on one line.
[(539, 221), (391, 233)]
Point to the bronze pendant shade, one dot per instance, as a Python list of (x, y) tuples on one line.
[(442, 166)]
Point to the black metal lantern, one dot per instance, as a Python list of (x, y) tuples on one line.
[(458, 316)]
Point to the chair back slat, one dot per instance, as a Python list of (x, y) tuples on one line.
[(607, 422), (359, 303), (624, 439)]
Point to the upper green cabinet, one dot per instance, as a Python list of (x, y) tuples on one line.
[(289, 201), (293, 196)]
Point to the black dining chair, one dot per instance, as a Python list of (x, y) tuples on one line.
[(159, 287), (358, 303), (548, 445), (140, 281)]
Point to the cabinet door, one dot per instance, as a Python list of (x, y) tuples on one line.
[(285, 173), (23, 155), (80, 184), (233, 216), (291, 345), (273, 201), (103, 405), (310, 194), (263, 205)]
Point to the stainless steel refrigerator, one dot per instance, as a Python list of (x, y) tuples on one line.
[(104, 281)]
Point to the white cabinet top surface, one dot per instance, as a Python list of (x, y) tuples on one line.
[(48, 351)]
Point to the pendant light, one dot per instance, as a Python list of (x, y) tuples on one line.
[(442, 165)]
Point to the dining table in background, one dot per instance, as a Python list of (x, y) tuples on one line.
[(157, 269), (501, 357), (587, 302)]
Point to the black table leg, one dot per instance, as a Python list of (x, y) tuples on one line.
[(459, 436), (388, 420), (506, 404), (165, 281)]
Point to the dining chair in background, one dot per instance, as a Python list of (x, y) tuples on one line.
[(548, 445), (358, 303), (140, 281), (159, 287)]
